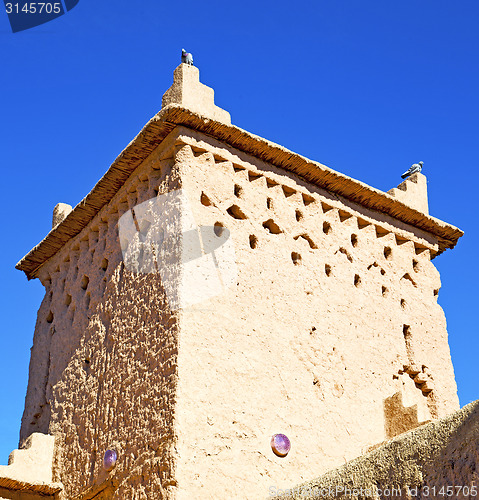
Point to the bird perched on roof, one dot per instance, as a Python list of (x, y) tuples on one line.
[(186, 57), (417, 167)]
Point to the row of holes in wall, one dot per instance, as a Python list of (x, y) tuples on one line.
[(272, 227), (423, 382), (307, 199), (85, 281), (97, 236), (235, 212)]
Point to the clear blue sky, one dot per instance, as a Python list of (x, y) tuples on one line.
[(367, 87)]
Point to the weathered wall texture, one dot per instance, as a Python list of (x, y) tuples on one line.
[(103, 370), (438, 460), (331, 302), (333, 314)]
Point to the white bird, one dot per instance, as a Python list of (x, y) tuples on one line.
[(417, 167), (186, 57)]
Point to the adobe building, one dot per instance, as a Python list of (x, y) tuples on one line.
[(313, 315)]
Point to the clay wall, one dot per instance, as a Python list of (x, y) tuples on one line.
[(439, 460), (331, 304), (333, 314), (103, 369)]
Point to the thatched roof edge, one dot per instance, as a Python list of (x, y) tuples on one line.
[(174, 115)]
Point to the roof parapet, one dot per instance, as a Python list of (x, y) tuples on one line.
[(413, 192), (190, 93), (30, 468), (60, 211)]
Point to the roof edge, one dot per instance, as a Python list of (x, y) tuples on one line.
[(13, 484), (174, 115)]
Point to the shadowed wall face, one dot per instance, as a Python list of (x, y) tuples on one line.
[(103, 371)]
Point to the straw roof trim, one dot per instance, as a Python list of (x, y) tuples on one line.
[(34, 487), (156, 130)]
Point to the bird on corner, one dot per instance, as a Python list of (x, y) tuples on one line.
[(186, 57), (417, 167)]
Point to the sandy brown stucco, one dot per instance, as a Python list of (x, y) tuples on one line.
[(439, 460), (328, 312), (331, 332)]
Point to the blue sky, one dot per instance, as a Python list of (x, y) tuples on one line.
[(366, 87)]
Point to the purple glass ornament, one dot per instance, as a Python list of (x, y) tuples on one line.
[(109, 460), (280, 445)]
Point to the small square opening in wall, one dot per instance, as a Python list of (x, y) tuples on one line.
[(218, 229), (343, 215), (205, 200), (307, 238), (296, 258), (326, 207), (84, 282), (363, 223), (357, 280), (380, 231), (252, 176), (219, 159), (288, 191), (419, 249), (307, 199), (400, 240), (327, 269), (272, 227), (236, 212), (253, 241)]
